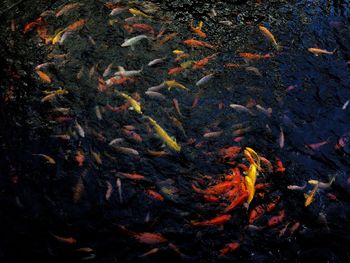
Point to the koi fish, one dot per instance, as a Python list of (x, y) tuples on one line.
[(125, 150), (155, 95), (241, 108), (132, 41), (310, 197), (155, 62), (155, 195), (238, 201), (150, 238), (203, 62), (31, 25), (230, 152), (68, 240), (43, 76), (67, 8), (174, 84), (269, 36), (232, 65), (137, 12), (252, 157), (198, 30), (109, 190), (205, 79), (47, 158), (78, 190), (296, 187), (57, 37), (178, 52), (166, 39), (54, 94), (220, 220), (172, 144), (79, 129), (252, 172), (76, 25), (150, 252), (315, 146), (250, 187), (229, 248), (132, 176), (118, 10), (281, 138), (119, 188), (135, 104), (280, 168), (212, 134), (251, 56), (256, 213), (80, 158), (318, 51), (322, 185), (277, 219), (139, 27), (197, 43), (176, 70)]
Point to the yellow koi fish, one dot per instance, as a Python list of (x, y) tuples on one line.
[(269, 36), (250, 187), (310, 197), (252, 157), (57, 37), (252, 173), (174, 84), (53, 94), (165, 137), (135, 104), (137, 12), (178, 52), (187, 64)]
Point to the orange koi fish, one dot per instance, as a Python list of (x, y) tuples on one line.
[(251, 56), (68, 240), (197, 43), (269, 36), (76, 25), (229, 248), (238, 201), (167, 38), (200, 64), (318, 51), (80, 158), (176, 70), (67, 8), (150, 238), (232, 65), (198, 30), (132, 176), (280, 167), (220, 220), (44, 77), (155, 195), (230, 152)]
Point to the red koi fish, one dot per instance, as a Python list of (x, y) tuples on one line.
[(176, 70), (220, 220), (38, 22), (229, 248), (200, 64), (155, 195), (276, 219), (256, 213), (132, 176), (139, 28), (230, 152)]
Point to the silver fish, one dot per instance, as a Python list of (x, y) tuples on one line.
[(155, 62), (107, 70), (119, 187), (126, 150), (296, 187), (129, 73), (132, 41), (241, 108), (117, 140), (80, 130), (117, 11), (157, 88), (98, 112), (205, 79), (346, 104), (155, 95)]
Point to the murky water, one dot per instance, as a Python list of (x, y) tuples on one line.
[(84, 196)]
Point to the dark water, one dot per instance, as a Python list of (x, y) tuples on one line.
[(307, 95)]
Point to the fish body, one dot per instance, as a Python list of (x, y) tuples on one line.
[(197, 43), (165, 137), (76, 25), (150, 238), (174, 84), (176, 70), (54, 94), (269, 36), (155, 62), (241, 108), (201, 63), (229, 248), (205, 79), (277, 219), (132, 41), (250, 187), (318, 51), (252, 172), (57, 37), (252, 56), (67, 8), (220, 220), (135, 104), (137, 12), (48, 159), (310, 197)]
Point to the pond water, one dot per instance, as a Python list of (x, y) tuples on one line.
[(85, 175)]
